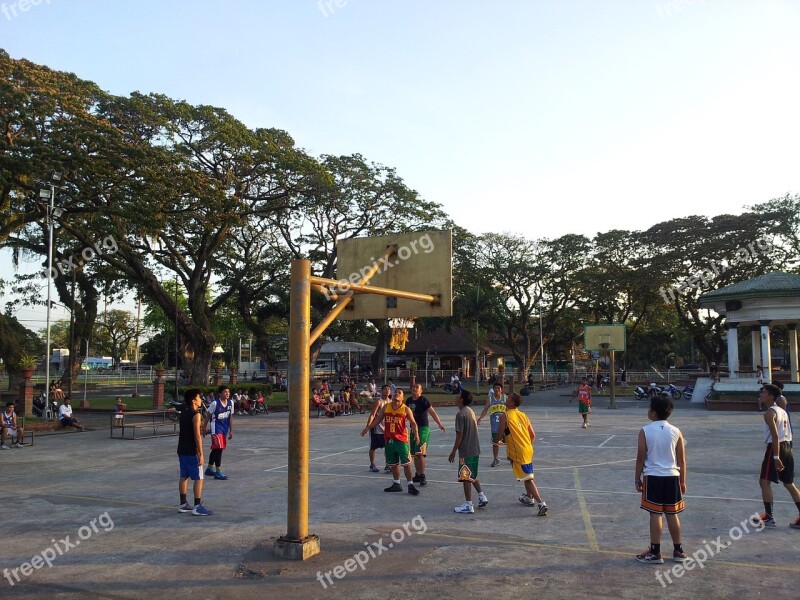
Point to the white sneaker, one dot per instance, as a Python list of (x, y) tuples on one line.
[(483, 501), (527, 500), (584, 425), (17, 445), (542, 509), (4, 447), (465, 508)]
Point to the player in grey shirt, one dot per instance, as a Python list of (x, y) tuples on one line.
[(469, 450)]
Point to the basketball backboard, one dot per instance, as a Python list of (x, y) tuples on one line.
[(604, 337), (422, 263)]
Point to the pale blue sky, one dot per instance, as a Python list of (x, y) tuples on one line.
[(534, 117)]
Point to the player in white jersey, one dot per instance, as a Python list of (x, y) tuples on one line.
[(778, 463)]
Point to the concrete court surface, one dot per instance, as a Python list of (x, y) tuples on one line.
[(140, 547)]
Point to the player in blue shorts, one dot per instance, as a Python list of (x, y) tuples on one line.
[(190, 454)]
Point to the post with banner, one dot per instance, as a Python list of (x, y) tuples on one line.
[(411, 278), (606, 338)]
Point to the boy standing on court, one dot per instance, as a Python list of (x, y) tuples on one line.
[(220, 414), (190, 454), (469, 451), (376, 439), (519, 449), (584, 395), (661, 478), (395, 415), (421, 407), (778, 463), (495, 406)]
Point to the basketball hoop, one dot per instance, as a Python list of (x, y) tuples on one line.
[(400, 329)]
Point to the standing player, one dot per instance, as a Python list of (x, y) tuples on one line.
[(376, 439), (421, 407), (778, 463), (661, 459), (190, 454), (495, 406), (469, 450), (220, 414), (584, 395), (520, 436), (395, 416)]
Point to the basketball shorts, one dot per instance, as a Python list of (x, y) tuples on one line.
[(768, 470), (397, 453), (662, 494)]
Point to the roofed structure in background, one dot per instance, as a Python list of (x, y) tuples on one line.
[(458, 341), (335, 347)]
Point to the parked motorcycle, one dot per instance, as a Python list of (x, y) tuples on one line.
[(688, 391), (673, 391), (39, 407)]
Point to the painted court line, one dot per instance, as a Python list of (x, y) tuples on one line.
[(587, 520), (318, 457), (608, 440)]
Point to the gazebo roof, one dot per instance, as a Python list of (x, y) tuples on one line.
[(771, 285), (459, 342)]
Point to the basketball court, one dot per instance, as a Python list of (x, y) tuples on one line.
[(583, 548)]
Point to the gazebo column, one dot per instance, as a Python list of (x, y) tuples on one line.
[(793, 365), (766, 351), (733, 350), (755, 338)]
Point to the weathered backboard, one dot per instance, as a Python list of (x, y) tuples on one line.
[(604, 337), (423, 263)]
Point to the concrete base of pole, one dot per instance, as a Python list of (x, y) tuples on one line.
[(297, 549)]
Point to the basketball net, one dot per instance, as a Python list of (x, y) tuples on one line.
[(399, 337)]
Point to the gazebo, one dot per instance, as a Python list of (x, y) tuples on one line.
[(759, 303)]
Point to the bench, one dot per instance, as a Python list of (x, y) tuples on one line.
[(548, 386), (26, 432), (162, 423)]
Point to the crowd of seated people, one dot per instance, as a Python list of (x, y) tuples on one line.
[(346, 402)]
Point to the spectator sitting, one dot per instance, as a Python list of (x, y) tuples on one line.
[(55, 391), (10, 427), (65, 415), (319, 402)]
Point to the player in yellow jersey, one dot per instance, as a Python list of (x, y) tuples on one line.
[(519, 435), (395, 416)]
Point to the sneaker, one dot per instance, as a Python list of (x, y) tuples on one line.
[(17, 445), (201, 511), (764, 520), (483, 502), (542, 510), (423, 480), (496, 462), (649, 557), (584, 425), (679, 556), (527, 500), (185, 507), (415, 479), (796, 523), (395, 487), (387, 469), (4, 447), (412, 490), (465, 509), (209, 472), (374, 469), (220, 475)]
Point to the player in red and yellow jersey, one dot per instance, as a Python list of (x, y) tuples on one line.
[(584, 395), (395, 416)]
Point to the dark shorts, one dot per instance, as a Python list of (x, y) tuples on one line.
[(190, 468), (662, 494), (376, 440), (768, 470)]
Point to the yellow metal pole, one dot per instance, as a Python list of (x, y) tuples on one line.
[(297, 544), (335, 312), (381, 291)]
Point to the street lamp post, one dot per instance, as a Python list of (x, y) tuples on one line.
[(50, 194)]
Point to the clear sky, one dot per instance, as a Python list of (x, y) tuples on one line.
[(534, 117)]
